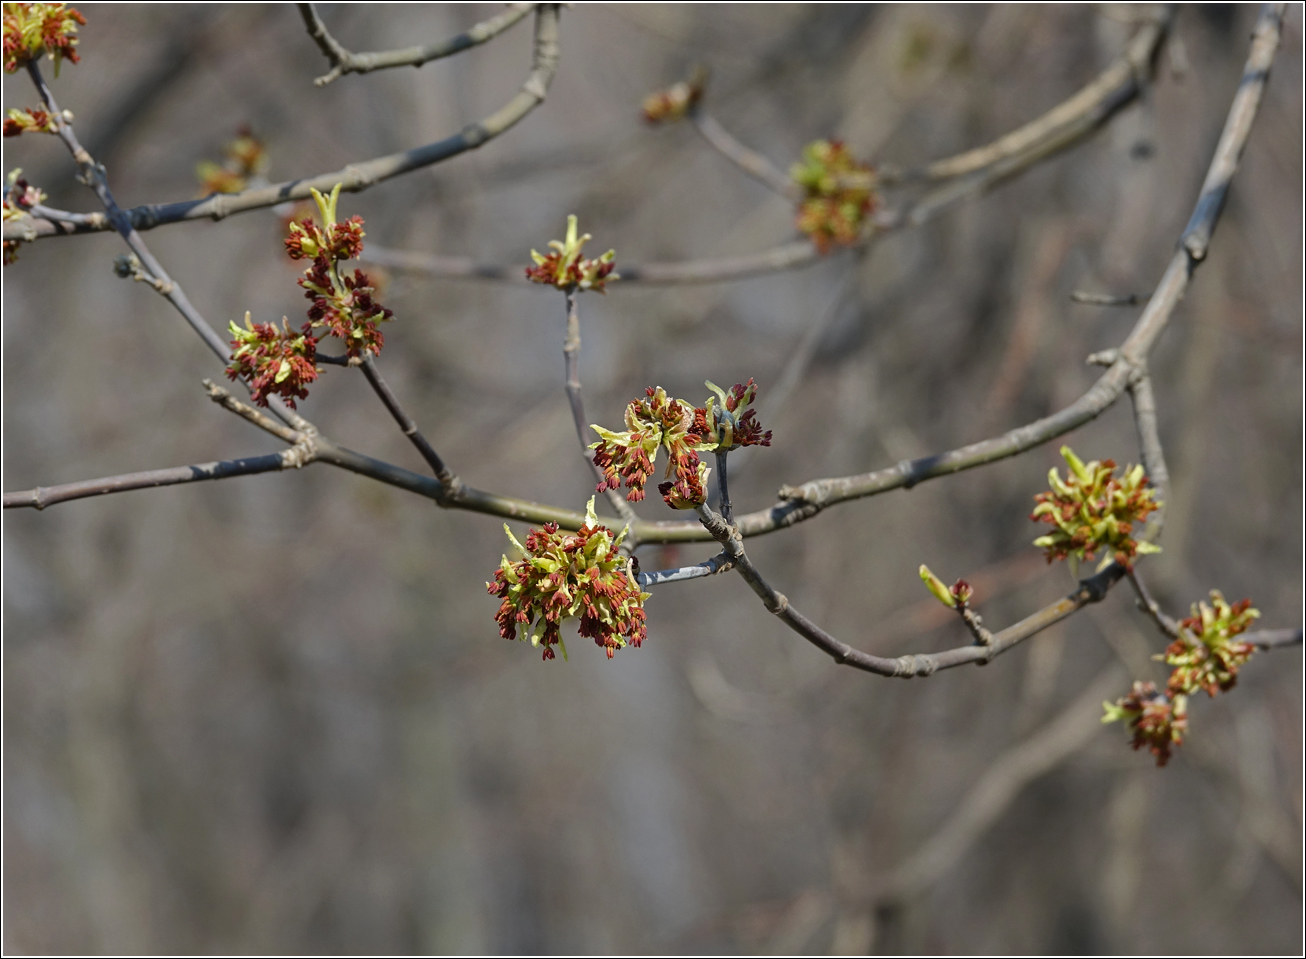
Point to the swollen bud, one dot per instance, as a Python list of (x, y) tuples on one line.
[(936, 586)]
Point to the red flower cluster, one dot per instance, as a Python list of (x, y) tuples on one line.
[(31, 29), (685, 431), (655, 421), (1157, 721), (276, 361), (564, 576), (18, 122), (1093, 509), (1205, 656), (346, 305), (281, 362), (19, 197), (725, 425), (840, 194), (339, 241), (566, 269)]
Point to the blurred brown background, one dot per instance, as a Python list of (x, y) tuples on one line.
[(273, 713)]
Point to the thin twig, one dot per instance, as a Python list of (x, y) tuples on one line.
[(750, 161), (723, 488), (1167, 625), (43, 496), (1149, 446), (1273, 638), (246, 412), (357, 176), (1106, 299), (717, 564), (345, 62), (1111, 90), (407, 425), (571, 362)]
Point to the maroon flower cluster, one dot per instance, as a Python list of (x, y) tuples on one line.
[(1205, 657), (344, 305), (27, 120), (1156, 721), (31, 29), (685, 431), (564, 576), (653, 422), (839, 194), (275, 361), (566, 269)]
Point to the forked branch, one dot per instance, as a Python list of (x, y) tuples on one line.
[(345, 62)]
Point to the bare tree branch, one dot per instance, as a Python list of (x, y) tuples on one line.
[(1274, 638), (1111, 90), (1106, 299), (717, 564), (407, 424), (43, 496), (571, 358), (750, 161), (1168, 627), (354, 178), (345, 62)]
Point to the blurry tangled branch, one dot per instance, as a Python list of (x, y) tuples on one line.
[(580, 566)]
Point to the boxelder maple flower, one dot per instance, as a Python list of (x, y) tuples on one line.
[(685, 431), (18, 122), (1156, 721), (1206, 656), (19, 197), (344, 304), (565, 576), (840, 194), (276, 361), (674, 102), (566, 269), (245, 158), (31, 29), (1094, 509)]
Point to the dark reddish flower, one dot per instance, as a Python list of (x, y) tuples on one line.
[(18, 122), (563, 576), (275, 361), (31, 29), (839, 194), (1157, 721), (566, 269), (1206, 656)]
